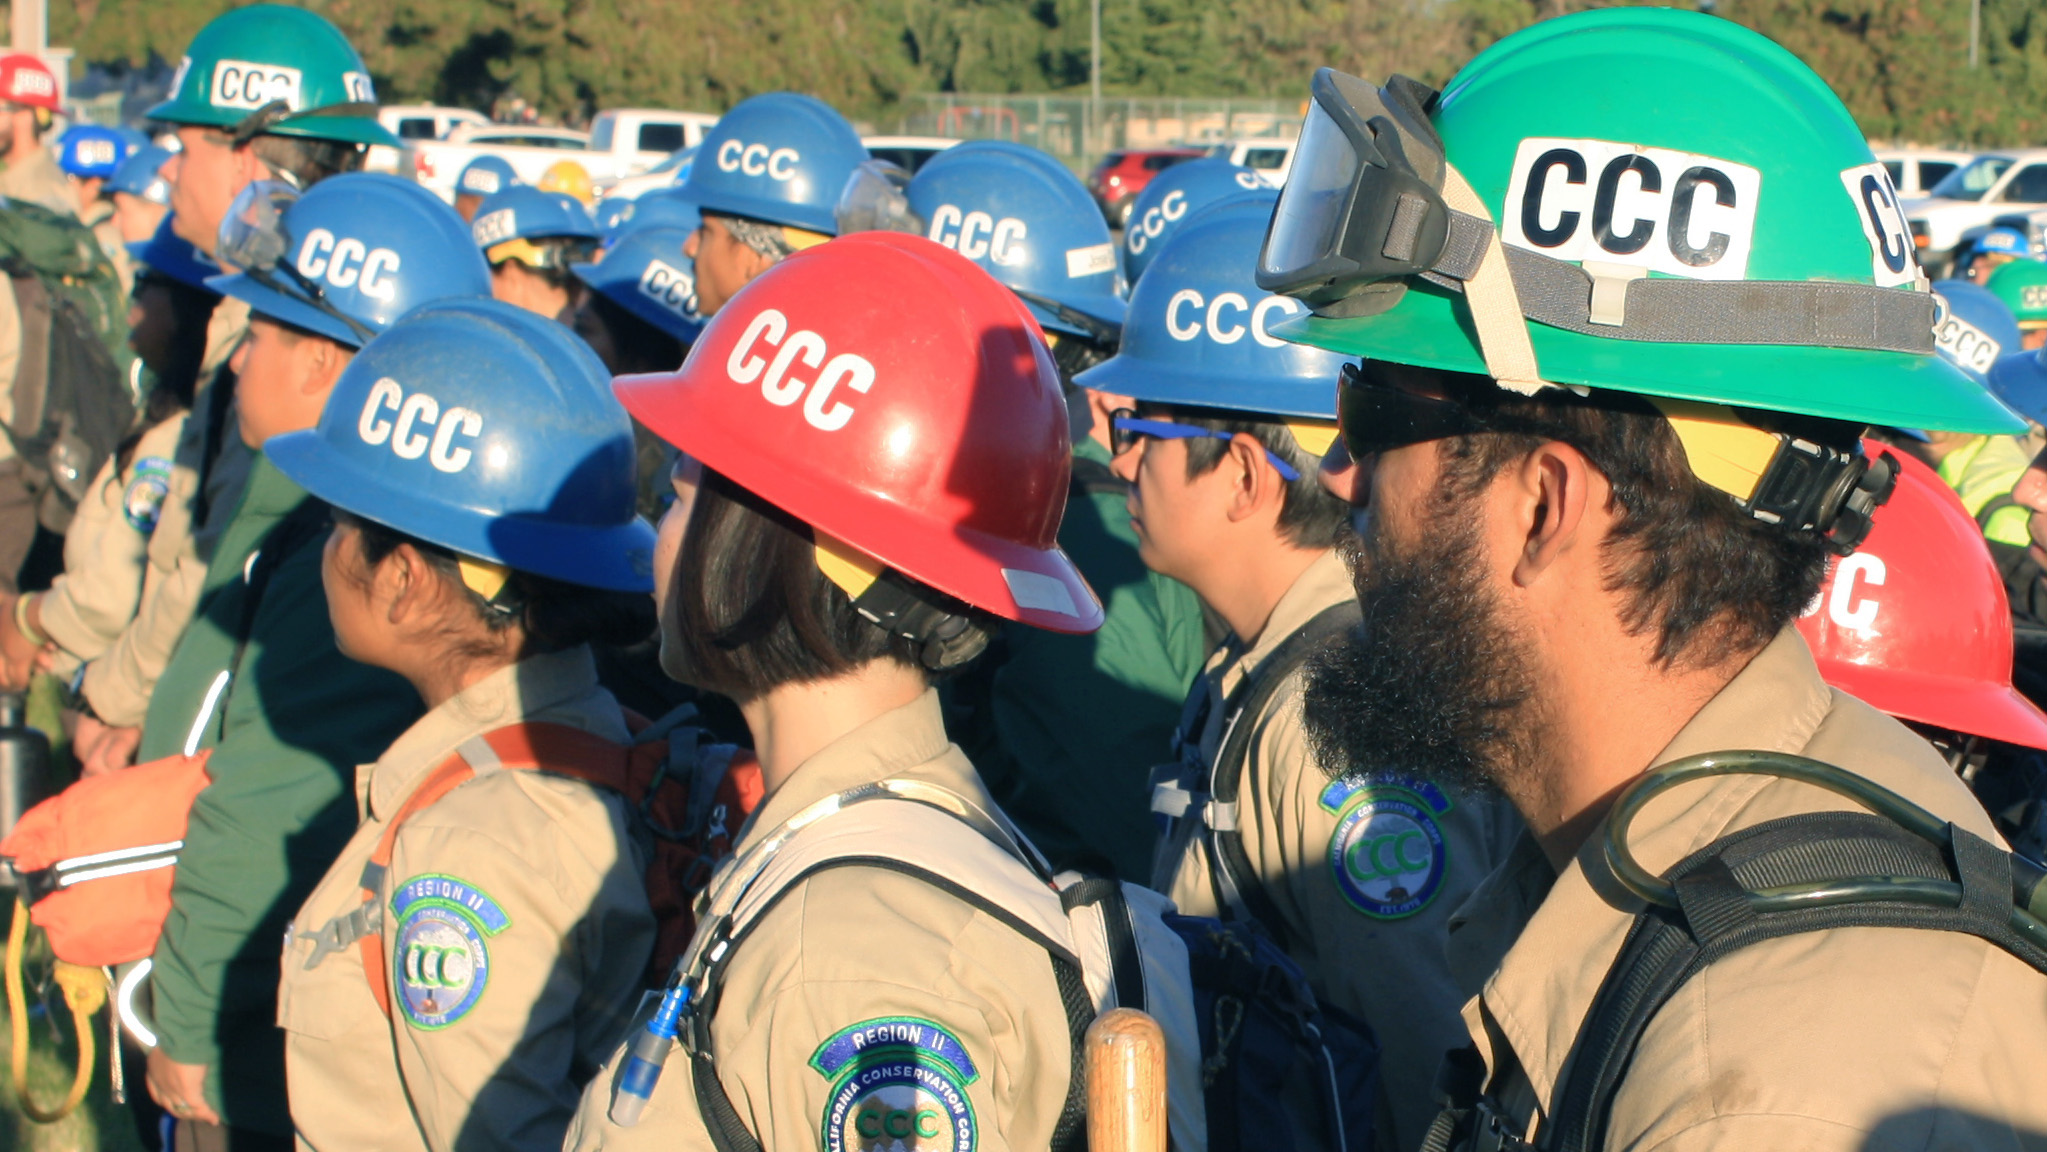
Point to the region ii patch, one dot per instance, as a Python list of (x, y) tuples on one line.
[(148, 484), (899, 1084), (442, 958), (1387, 853)]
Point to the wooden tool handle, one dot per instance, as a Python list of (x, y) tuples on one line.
[(1126, 1083)]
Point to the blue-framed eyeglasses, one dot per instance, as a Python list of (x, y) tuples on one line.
[(1126, 427)]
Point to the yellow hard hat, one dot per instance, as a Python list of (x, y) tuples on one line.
[(570, 177)]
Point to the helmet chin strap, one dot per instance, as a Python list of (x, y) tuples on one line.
[(1495, 307)]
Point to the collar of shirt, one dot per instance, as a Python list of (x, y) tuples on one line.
[(906, 742), (1321, 585), (559, 687)]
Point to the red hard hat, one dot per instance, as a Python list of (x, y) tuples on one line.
[(888, 392), (1916, 623), (27, 80)]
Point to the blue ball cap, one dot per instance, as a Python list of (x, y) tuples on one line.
[(1974, 328), (1031, 224), (781, 157), (90, 150), (1172, 196), (374, 246), (1199, 331), (523, 212), (645, 272), (2004, 242), (488, 430), (485, 176), (141, 174), (166, 252)]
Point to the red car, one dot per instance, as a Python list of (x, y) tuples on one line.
[(1120, 176)]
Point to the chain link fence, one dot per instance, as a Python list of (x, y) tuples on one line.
[(1063, 125)]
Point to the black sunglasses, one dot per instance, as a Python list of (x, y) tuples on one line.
[(1377, 416)]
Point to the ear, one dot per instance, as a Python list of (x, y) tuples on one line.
[(404, 585), (1256, 489), (324, 365), (1558, 500), (753, 261)]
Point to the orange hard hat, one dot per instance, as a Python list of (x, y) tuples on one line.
[(1916, 623), (886, 391), (26, 80)]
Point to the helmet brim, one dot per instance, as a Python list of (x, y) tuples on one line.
[(1139, 379), (309, 125), (264, 300), (1110, 310), (627, 295), (1971, 707), (1041, 588), (615, 558), (1431, 328)]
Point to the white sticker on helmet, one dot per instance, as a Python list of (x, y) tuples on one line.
[(1891, 258), (494, 227), (360, 90), (480, 182), (1039, 593), (1966, 344), (1092, 260), (1654, 208), (670, 287), (242, 84)]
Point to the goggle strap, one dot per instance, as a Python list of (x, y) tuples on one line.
[(1495, 307)]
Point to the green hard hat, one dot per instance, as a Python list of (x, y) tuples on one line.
[(2022, 285), (249, 57), (1639, 143)]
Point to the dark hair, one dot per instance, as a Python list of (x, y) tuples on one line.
[(554, 614), (1710, 580), (637, 346), (1310, 516), (754, 612), (306, 160)]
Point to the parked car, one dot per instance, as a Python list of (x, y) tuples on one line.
[(1916, 170), (647, 136), (529, 149), (906, 152), (410, 123), (668, 172), (1120, 176), (1270, 158), (1962, 205)]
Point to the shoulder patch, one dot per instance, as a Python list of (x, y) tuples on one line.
[(1387, 854), (899, 1083), (441, 961), (149, 482)]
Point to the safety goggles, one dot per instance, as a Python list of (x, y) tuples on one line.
[(1126, 428), (254, 239), (876, 199)]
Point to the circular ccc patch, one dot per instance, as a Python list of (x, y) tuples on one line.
[(149, 484), (898, 1105), (441, 960), (1387, 852)]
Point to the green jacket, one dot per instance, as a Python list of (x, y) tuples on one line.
[(286, 736), (1074, 724), (1982, 470)]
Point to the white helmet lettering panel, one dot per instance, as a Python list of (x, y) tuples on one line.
[(1891, 256), (1654, 208)]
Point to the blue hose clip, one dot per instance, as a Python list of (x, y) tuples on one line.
[(649, 1053)]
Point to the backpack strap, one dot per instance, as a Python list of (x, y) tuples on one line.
[(1238, 888), (1665, 947)]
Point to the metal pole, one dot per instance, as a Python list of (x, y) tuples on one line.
[(1094, 77), (30, 25), (1975, 28)]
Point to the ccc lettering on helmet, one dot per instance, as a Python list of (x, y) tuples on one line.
[(758, 160), (670, 287), (242, 84), (1964, 343), (768, 352), (1653, 208), (347, 262), (1169, 210), (1848, 605), (415, 426), (979, 236), (32, 82), (1892, 258), (95, 153), (1227, 317)]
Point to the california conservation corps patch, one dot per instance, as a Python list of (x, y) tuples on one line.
[(899, 1084), (442, 960), (1387, 852), (148, 484)]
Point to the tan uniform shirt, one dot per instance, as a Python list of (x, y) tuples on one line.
[(848, 963), (516, 937), (1854, 1038), (1369, 930), (37, 179), (119, 682), (106, 550)]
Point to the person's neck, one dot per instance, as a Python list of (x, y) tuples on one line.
[(1245, 584), (796, 721), (440, 680), (1610, 709)]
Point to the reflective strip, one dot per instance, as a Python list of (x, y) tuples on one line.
[(206, 712), (117, 854), (124, 1001), (118, 870)]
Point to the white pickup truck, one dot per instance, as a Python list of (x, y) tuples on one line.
[(626, 141)]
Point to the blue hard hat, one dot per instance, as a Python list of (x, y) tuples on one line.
[(89, 150), (166, 252), (523, 212), (609, 213), (645, 272), (135, 137), (1199, 326), (2004, 242), (141, 175), (348, 257), (780, 157), (1170, 198), (1974, 328), (485, 176), (669, 207), (486, 429), (1030, 223), (2020, 380)]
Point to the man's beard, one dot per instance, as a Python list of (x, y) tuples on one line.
[(1435, 682)]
